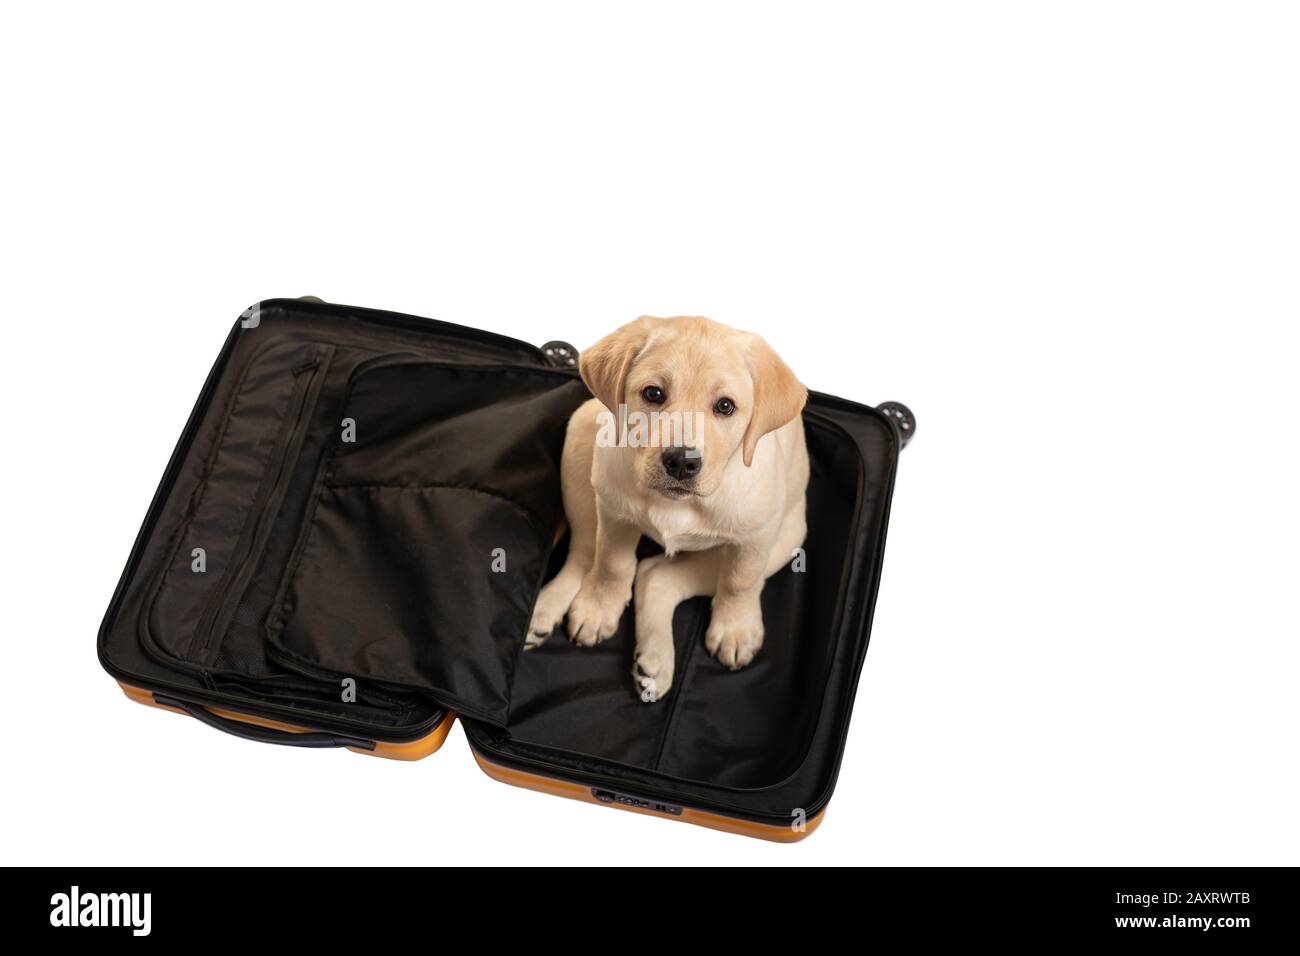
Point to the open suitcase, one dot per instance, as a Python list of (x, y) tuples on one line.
[(346, 546)]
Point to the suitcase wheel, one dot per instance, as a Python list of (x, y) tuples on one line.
[(560, 354), (901, 417)]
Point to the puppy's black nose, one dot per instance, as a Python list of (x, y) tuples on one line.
[(682, 464)]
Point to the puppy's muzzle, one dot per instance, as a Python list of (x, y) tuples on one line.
[(682, 464)]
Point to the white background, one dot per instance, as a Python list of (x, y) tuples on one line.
[(1065, 234)]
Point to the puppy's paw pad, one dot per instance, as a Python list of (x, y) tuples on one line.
[(734, 646)]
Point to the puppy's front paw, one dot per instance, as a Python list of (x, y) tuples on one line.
[(594, 614), (652, 670), (548, 612), (735, 633)]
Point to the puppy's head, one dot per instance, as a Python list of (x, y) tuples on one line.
[(687, 396)]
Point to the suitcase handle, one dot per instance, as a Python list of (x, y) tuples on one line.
[(266, 735)]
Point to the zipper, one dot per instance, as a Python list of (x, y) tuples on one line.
[(218, 620)]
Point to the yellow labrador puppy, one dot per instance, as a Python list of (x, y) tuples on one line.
[(694, 438)]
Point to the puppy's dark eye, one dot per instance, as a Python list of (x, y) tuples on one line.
[(724, 406), (653, 394)]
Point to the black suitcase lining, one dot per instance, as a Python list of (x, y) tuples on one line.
[(392, 582)]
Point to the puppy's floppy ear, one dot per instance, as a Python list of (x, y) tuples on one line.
[(605, 365), (778, 395)]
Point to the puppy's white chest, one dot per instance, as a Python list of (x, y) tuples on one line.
[(678, 529)]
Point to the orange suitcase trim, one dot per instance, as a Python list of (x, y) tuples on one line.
[(408, 750), (714, 821), (431, 742)]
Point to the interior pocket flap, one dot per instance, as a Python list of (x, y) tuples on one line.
[(429, 534)]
